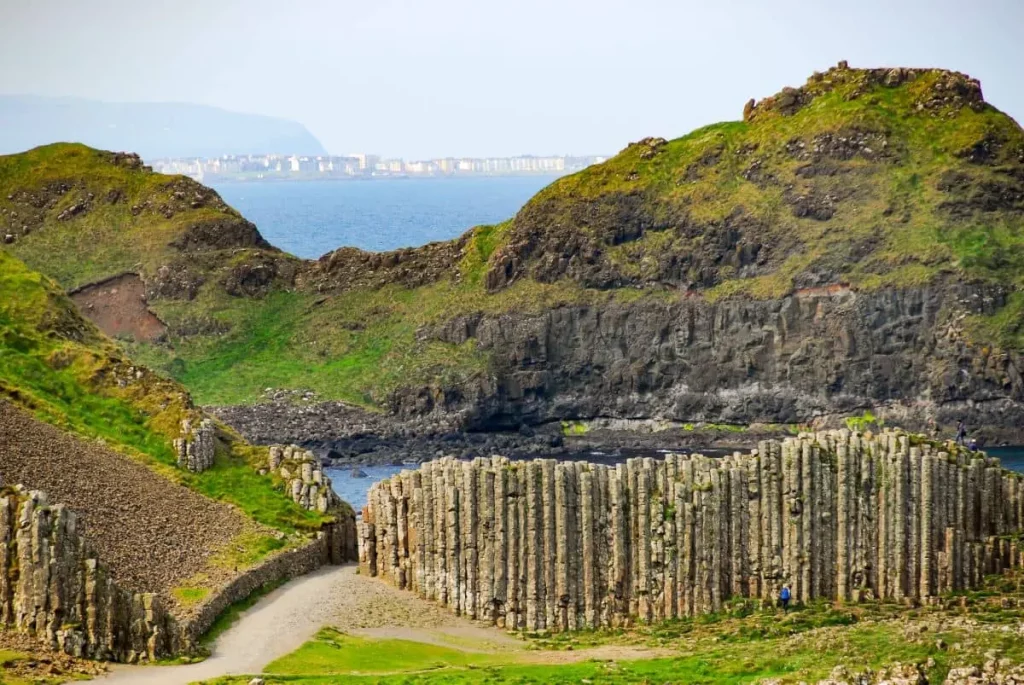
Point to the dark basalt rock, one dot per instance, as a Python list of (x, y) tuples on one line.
[(232, 231), (819, 352)]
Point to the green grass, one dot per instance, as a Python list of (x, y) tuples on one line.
[(108, 238), (333, 652), (60, 368), (575, 428), (188, 596)]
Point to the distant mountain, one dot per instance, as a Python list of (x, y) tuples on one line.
[(153, 130)]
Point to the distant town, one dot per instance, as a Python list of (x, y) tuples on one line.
[(360, 165)]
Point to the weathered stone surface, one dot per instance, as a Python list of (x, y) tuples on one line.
[(836, 515), (307, 484), (56, 589), (197, 445), (742, 361)]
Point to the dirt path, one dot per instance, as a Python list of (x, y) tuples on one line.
[(339, 597)]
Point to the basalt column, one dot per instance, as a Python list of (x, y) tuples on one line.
[(563, 546)]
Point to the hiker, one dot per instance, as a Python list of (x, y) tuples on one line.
[(973, 445), (961, 433), (784, 598)]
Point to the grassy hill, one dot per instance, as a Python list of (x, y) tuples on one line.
[(868, 180), (56, 365)]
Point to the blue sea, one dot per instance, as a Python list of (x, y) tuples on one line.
[(311, 218)]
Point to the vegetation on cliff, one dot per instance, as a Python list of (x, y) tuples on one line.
[(860, 179)]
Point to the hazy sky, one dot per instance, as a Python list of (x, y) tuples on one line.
[(477, 77)]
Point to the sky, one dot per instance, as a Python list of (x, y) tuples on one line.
[(427, 78)]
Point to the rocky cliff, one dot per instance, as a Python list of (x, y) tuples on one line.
[(810, 354), (565, 546)]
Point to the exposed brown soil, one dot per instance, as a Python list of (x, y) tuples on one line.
[(150, 532), (118, 308)]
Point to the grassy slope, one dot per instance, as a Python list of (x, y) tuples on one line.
[(355, 345), (741, 646), (63, 370), (889, 229)]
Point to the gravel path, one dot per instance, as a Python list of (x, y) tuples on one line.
[(150, 532), (337, 596), (291, 615)]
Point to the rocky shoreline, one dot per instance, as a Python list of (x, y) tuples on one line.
[(343, 435)]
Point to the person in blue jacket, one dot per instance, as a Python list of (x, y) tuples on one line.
[(784, 597)]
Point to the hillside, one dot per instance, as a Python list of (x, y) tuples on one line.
[(851, 244), (94, 431), (152, 129)]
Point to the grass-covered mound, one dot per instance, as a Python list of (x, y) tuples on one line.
[(860, 179), (866, 178)]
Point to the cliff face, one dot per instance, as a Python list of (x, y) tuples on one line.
[(827, 351), (567, 545)]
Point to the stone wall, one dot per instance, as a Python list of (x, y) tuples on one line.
[(196, 446), (335, 544), (53, 587), (838, 515)]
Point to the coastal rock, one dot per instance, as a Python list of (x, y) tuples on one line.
[(59, 592), (819, 351), (307, 484), (840, 515)]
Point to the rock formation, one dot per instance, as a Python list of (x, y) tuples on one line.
[(54, 587), (561, 546), (304, 476), (828, 351), (197, 446)]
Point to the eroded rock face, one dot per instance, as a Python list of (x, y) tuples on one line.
[(820, 351), (569, 545), (118, 307)]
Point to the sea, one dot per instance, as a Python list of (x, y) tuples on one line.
[(311, 218)]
